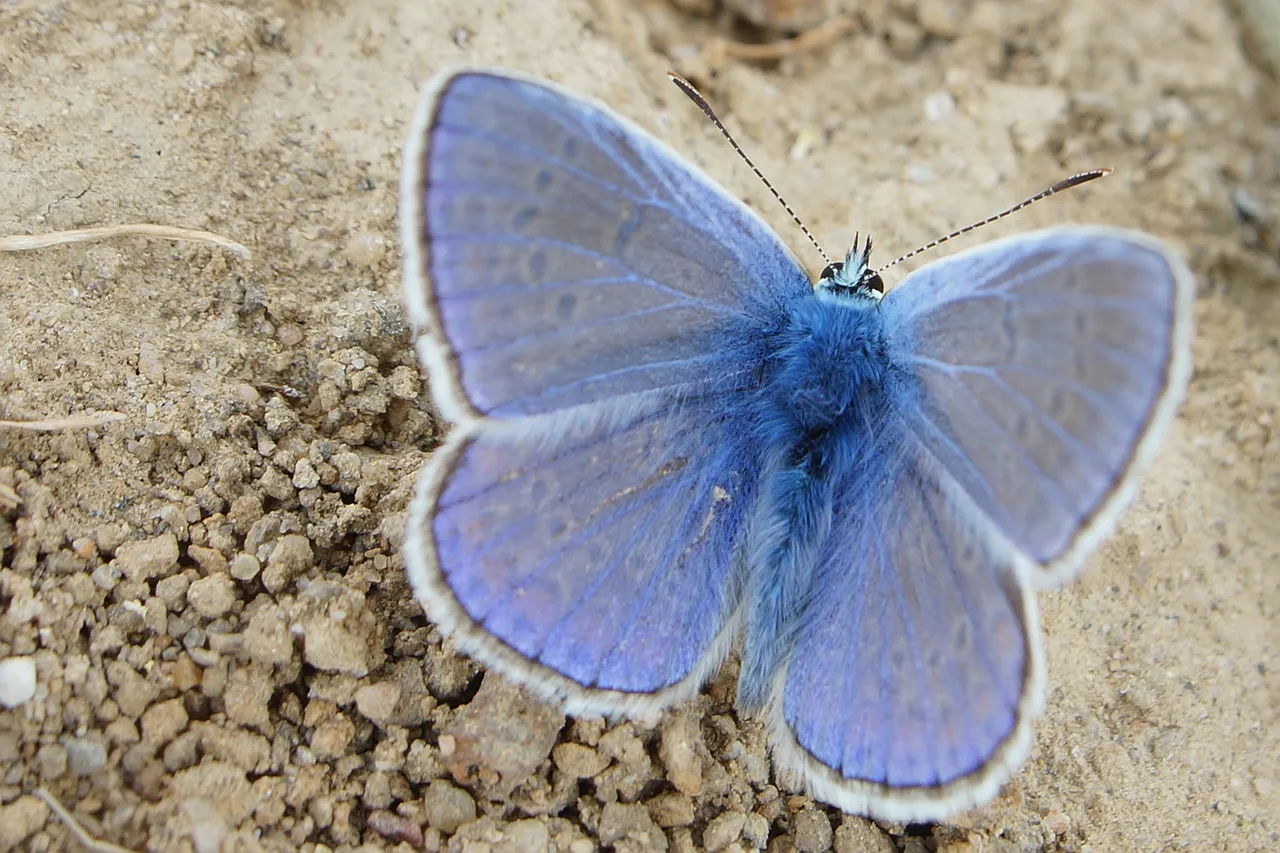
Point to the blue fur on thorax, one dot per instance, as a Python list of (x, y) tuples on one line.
[(819, 410)]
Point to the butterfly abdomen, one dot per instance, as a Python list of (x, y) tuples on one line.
[(819, 409)]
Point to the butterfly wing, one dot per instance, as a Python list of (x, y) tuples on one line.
[(557, 255), (592, 559), (916, 669), (594, 313), (1046, 368)]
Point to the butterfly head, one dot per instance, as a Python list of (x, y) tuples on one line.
[(854, 276)]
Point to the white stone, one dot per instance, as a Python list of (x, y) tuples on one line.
[(17, 681)]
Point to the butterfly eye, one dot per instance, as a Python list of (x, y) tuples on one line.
[(871, 280), (830, 271)]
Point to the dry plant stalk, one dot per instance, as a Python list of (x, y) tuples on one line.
[(25, 242), (821, 36), (89, 419), (87, 840), (28, 242)]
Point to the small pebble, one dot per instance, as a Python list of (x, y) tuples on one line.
[(19, 819), (377, 702), (447, 807), (859, 835), (245, 567), (246, 695), (267, 639), (782, 844), (365, 249), (213, 596), (210, 560), (247, 751), (939, 106), (51, 762), (630, 821), (305, 475), (173, 591), (404, 383), (163, 722), (17, 681), (290, 334), (291, 556), (678, 753), (941, 18), (524, 836), (671, 809), (812, 832), (723, 830), (500, 737), (396, 828), (330, 739), (578, 761), (224, 793), (183, 54), (85, 757), (149, 558), (756, 831), (377, 791), (334, 646)]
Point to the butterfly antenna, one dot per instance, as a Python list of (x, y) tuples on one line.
[(1068, 183), (696, 96)]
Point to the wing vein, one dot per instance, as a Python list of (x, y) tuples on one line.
[(646, 595), (540, 156), (520, 240), (618, 557), (852, 654), (561, 331)]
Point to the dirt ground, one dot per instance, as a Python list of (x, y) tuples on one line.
[(227, 652)]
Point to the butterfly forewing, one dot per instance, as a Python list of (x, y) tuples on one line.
[(1046, 366), (558, 256)]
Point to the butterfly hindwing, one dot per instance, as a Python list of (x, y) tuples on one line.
[(915, 672), (595, 560), (557, 255), (1047, 366)]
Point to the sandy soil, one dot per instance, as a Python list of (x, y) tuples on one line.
[(211, 590)]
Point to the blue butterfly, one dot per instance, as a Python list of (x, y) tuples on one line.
[(665, 437)]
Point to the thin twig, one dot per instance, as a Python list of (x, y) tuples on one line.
[(90, 419), (820, 36), (76, 829), (24, 242)]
